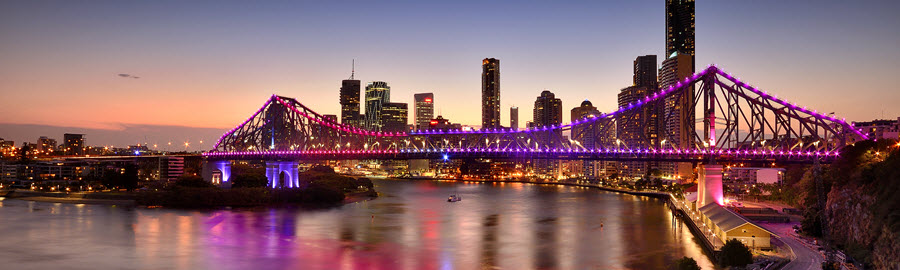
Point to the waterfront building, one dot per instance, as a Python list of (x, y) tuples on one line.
[(727, 225), (490, 93), (377, 94), (640, 129), (74, 144), (170, 168), (424, 103), (678, 113), (585, 135), (547, 111), (631, 131), (394, 117)]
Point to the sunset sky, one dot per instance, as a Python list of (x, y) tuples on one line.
[(204, 67)]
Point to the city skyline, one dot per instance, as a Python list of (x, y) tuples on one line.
[(453, 78)]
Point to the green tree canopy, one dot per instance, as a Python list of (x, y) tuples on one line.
[(735, 253), (686, 263)]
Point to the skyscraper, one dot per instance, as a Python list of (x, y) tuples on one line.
[(678, 114), (490, 93), (680, 29), (640, 128), (514, 118), (585, 134), (394, 117), (586, 109), (350, 102), (547, 111), (645, 71), (377, 93), (424, 109), (74, 144), (630, 130), (645, 78)]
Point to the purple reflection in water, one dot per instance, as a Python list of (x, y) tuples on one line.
[(411, 226)]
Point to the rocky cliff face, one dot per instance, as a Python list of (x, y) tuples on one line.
[(852, 225)]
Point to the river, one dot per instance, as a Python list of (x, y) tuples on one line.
[(411, 226)]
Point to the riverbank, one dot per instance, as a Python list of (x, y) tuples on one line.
[(79, 200)]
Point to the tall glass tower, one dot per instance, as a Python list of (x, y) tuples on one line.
[(680, 28), (490, 93), (377, 94)]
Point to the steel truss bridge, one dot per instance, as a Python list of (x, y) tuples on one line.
[(729, 121)]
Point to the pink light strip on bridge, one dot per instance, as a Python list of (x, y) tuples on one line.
[(700, 152)]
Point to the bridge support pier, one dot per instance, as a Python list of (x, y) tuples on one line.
[(283, 174), (709, 186)]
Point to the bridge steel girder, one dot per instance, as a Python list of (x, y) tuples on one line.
[(741, 118)]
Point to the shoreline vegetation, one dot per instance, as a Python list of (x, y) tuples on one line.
[(323, 188)]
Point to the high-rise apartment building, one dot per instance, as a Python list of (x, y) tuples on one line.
[(424, 109), (678, 111), (514, 118), (547, 111), (586, 135), (350, 102), (580, 132), (631, 130), (74, 144), (377, 94), (490, 93), (680, 29), (394, 117), (639, 128), (645, 71)]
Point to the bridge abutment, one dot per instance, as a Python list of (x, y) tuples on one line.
[(217, 172), (283, 174)]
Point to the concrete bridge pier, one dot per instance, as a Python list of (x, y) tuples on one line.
[(709, 187), (283, 174)]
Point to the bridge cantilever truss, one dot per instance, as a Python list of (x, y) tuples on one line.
[(728, 119)]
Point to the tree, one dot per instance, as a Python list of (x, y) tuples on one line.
[(187, 180), (129, 179), (23, 154), (249, 180), (686, 263), (735, 253), (125, 177)]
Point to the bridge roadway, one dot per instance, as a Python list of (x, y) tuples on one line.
[(561, 154)]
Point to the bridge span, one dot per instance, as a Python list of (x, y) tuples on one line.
[(730, 121)]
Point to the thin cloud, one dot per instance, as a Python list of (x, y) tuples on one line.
[(123, 75)]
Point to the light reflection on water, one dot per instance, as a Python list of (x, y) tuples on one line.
[(411, 226)]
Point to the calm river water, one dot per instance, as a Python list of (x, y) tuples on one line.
[(411, 226)]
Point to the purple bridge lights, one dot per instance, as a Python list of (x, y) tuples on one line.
[(739, 123)]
